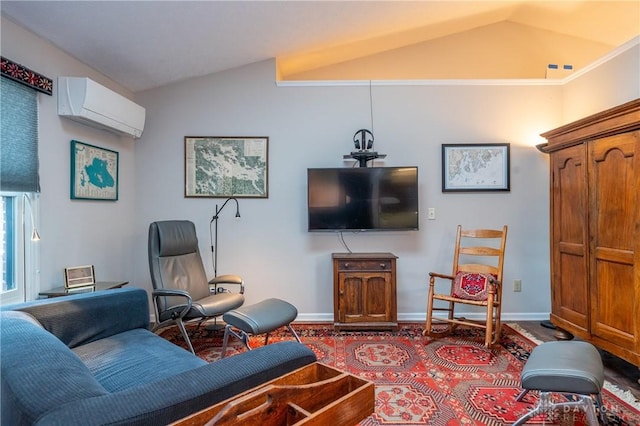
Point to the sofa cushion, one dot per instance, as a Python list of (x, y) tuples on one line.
[(29, 354), (82, 318), (22, 316), (134, 358), (170, 399)]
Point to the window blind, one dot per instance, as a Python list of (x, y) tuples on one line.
[(18, 137)]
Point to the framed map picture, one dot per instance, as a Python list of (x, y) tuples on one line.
[(94, 172), (222, 167), (475, 167)]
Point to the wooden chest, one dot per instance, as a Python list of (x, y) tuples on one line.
[(312, 395)]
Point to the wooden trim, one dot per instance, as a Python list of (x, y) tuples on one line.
[(620, 119), (24, 75)]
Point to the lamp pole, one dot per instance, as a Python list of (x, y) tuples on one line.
[(216, 216), (34, 231)]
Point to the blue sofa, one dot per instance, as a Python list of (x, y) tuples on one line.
[(90, 359)]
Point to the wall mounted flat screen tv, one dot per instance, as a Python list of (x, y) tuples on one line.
[(363, 199)]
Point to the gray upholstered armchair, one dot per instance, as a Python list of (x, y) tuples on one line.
[(181, 291)]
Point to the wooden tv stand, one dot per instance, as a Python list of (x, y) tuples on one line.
[(364, 291)]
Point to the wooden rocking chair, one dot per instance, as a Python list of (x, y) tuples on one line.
[(476, 280)]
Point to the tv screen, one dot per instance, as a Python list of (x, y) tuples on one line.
[(363, 199)]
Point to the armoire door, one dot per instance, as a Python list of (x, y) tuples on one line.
[(570, 245), (614, 188)]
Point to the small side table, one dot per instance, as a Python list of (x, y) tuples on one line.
[(98, 286)]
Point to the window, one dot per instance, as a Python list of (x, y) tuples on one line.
[(19, 248), (8, 238), (19, 185)]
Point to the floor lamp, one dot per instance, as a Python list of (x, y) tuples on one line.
[(214, 252), (34, 231), (214, 220)]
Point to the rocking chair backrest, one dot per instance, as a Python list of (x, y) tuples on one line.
[(480, 251)]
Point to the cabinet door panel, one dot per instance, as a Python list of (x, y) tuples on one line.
[(351, 292), (377, 298), (570, 296), (614, 183), (569, 289), (365, 297)]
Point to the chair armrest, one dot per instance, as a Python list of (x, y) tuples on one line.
[(227, 279), (443, 276), (180, 310), (170, 292), (434, 275)]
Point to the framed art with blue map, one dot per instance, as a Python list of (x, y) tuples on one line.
[(222, 167), (475, 167), (94, 172)]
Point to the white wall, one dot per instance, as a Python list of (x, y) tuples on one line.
[(74, 232), (614, 81), (313, 127)]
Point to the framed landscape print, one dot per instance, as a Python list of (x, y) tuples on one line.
[(475, 167), (94, 172), (222, 167)]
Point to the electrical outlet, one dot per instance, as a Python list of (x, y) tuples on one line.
[(431, 213), (517, 285)]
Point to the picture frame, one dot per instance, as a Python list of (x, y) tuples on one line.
[(226, 166), (476, 167), (79, 276), (94, 172)]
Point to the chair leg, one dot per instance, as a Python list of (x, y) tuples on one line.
[(244, 337), (225, 340), (451, 326), (427, 326), (240, 335), (294, 333), (546, 404), (498, 315), (600, 409), (522, 394), (183, 330), (488, 338)]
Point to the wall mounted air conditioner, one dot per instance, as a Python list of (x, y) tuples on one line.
[(82, 99)]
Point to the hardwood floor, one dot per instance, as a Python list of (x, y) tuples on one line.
[(616, 370)]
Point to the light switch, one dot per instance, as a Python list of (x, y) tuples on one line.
[(431, 213)]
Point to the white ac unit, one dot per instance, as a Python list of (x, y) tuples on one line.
[(82, 99)]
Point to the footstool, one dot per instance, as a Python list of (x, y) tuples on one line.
[(260, 318), (572, 367)]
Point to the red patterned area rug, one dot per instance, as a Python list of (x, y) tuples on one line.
[(423, 381)]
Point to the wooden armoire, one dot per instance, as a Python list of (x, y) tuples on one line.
[(595, 229)]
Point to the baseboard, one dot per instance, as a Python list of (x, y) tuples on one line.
[(420, 317)]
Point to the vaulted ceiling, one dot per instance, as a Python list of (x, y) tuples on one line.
[(147, 44)]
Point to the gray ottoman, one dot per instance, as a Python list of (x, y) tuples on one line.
[(567, 367), (260, 318)]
